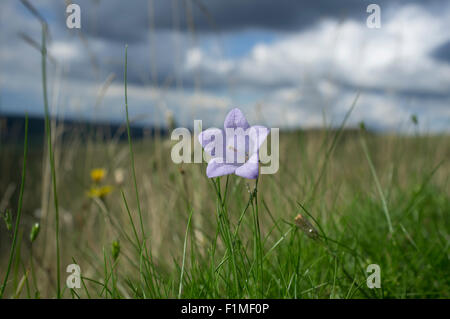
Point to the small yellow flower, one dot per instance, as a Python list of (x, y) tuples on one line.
[(99, 192), (98, 174)]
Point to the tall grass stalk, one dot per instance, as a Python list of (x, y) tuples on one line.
[(33, 274), (148, 261), (131, 147), (19, 208), (377, 183), (180, 287), (51, 156), (330, 150)]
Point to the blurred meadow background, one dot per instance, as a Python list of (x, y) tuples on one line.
[(364, 116)]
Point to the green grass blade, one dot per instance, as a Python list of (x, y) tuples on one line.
[(19, 208)]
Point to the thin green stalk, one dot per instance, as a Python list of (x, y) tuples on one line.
[(33, 274), (82, 281), (138, 243), (148, 258), (180, 288), (257, 239), (97, 282), (106, 275), (131, 146), (19, 208), (333, 144), (17, 259), (27, 285), (377, 184), (51, 156), (225, 230)]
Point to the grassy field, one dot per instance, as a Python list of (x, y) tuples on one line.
[(194, 237)]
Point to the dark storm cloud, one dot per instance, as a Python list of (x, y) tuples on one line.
[(129, 21), (443, 52), (116, 22)]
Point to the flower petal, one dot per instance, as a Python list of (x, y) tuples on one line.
[(258, 135), (218, 167), (250, 169), (234, 119), (210, 139), (237, 143)]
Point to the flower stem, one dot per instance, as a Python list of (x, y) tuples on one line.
[(258, 253), (225, 231)]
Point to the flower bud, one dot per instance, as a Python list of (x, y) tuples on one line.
[(115, 249), (8, 219), (34, 232)]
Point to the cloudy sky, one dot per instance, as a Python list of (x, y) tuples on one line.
[(286, 63)]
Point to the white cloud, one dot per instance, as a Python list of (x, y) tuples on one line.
[(384, 57), (321, 68), (64, 50)]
